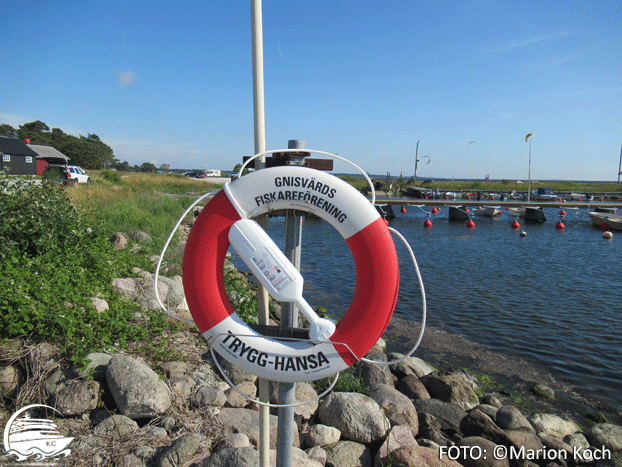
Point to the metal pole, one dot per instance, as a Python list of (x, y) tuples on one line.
[(529, 183), (289, 320), (620, 166), (260, 146), (416, 160)]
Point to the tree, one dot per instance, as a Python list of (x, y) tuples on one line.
[(7, 130), (148, 167)]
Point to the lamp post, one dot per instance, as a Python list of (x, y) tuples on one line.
[(527, 138)]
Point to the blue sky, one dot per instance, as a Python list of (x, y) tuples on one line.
[(172, 82)]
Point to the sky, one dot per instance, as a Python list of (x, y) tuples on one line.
[(171, 82)]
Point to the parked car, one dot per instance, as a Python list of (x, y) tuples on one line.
[(66, 174)]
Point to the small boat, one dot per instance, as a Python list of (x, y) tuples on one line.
[(614, 224), (580, 197), (457, 213), (486, 211), (544, 194), (530, 214), (453, 195), (385, 211), (600, 218), (610, 210)]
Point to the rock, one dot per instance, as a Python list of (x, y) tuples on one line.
[(448, 415), (434, 435), (77, 397), (615, 460), (58, 380), (97, 366), (183, 386), (450, 388), (372, 374), (348, 454), (119, 241), (174, 369), (477, 423), (543, 391), (527, 439), (412, 387), (181, 451), (304, 392), (556, 445), (409, 366), (232, 457), (322, 435), (10, 378), (299, 459), (235, 399), (209, 396), (131, 460), (397, 406), (116, 425), (236, 374), (576, 440), (399, 437), (489, 410), (43, 355), (100, 304), (552, 425), (247, 421), (237, 440), (492, 400), (420, 456), (126, 287), (510, 418), (141, 237), (607, 435), (482, 446), (145, 400), (317, 454), (358, 417)]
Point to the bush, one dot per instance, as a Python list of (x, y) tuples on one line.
[(53, 263), (111, 176)]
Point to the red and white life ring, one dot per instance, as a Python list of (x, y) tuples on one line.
[(354, 217)]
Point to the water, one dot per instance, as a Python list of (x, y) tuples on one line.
[(552, 298)]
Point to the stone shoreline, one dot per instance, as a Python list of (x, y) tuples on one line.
[(446, 350)]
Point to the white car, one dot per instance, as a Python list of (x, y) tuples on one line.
[(66, 174)]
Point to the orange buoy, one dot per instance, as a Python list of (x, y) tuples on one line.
[(560, 226), (470, 224), (434, 211), (562, 213), (515, 225), (607, 235), (469, 198), (467, 210), (403, 210), (427, 224)]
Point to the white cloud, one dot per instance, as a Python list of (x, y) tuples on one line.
[(126, 79), (519, 43)]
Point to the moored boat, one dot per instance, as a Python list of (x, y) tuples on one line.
[(486, 211), (600, 218), (530, 214), (614, 224)]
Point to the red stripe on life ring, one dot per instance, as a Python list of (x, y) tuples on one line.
[(204, 257), (375, 295)]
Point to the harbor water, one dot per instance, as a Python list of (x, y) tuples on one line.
[(552, 298)]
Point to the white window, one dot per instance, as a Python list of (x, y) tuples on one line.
[(28, 159), (6, 158)]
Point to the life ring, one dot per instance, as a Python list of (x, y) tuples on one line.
[(358, 222)]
